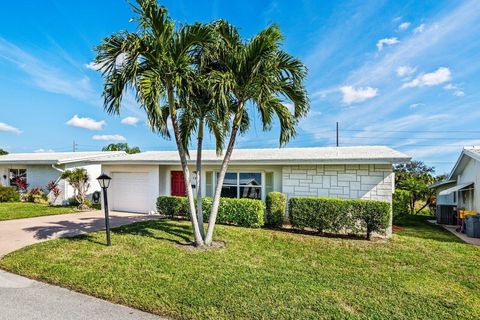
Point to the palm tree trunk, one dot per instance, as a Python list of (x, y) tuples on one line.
[(199, 178), (186, 174), (223, 170)]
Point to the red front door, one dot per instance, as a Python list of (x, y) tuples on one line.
[(178, 185)]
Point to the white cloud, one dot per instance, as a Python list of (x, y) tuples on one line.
[(404, 26), (416, 105), (419, 29), (450, 86), (109, 137), (44, 151), (92, 66), (386, 42), (131, 121), (290, 107), (98, 66), (8, 128), (437, 77), (360, 94), (86, 123), (49, 76), (404, 71), (458, 92), (442, 149)]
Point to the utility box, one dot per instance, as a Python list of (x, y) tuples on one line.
[(473, 226)]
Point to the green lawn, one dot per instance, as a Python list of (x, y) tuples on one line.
[(422, 273), (20, 210)]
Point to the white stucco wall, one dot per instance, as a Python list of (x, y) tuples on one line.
[(470, 173)]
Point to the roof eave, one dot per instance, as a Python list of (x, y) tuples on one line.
[(27, 162), (387, 161)]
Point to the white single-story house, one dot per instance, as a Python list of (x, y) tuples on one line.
[(138, 179), (41, 168), (461, 187)]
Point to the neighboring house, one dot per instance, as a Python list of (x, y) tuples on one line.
[(40, 168), (138, 179), (459, 189)]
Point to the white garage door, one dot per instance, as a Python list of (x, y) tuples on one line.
[(130, 192)]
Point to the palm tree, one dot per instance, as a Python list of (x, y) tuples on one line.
[(260, 75), (156, 62), (202, 110), (121, 147)]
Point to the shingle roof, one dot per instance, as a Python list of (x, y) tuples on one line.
[(330, 155), (56, 157)]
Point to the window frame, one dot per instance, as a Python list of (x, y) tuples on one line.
[(11, 182), (238, 185)]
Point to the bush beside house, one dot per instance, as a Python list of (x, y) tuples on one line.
[(339, 215), (276, 206), (241, 212), (9, 194)]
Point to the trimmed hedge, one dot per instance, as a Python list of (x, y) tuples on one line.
[(276, 206), (400, 203), (9, 194), (241, 212), (337, 215), (173, 206)]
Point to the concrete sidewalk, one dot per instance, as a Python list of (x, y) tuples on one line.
[(16, 234), (25, 299)]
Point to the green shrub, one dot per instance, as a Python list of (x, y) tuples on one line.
[(400, 203), (96, 206), (374, 216), (173, 207), (276, 205), (241, 212), (36, 195), (74, 203), (9, 194), (336, 215)]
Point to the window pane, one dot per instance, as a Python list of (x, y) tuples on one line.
[(15, 174), (209, 184), (251, 192), (229, 192), (250, 179), (230, 178), (268, 182)]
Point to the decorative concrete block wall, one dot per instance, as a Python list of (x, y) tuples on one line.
[(374, 182), (370, 181)]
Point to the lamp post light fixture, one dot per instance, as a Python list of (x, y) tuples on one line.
[(104, 182)]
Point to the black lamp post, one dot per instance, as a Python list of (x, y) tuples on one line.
[(104, 182)]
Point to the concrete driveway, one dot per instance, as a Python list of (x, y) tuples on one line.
[(16, 234), (22, 298)]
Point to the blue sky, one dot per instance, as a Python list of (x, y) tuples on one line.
[(398, 73)]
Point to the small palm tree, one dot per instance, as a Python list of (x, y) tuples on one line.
[(256, 74), (202, 109), (157, 63)]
